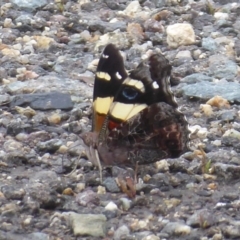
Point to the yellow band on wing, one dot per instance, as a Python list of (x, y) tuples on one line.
[(103, 75), (124, 111), (135, 83), (101, 105)]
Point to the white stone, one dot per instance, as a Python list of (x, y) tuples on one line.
[(221, 16), (180, 34), (162, 165), (199, 131), (125, 204), (85, 35), (17, 46), (151, 237), (7, 23), (111, 206), (232, 133), (217, 143), (132, 8)]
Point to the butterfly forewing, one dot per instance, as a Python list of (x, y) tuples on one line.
[(147, 84), (109, 77)]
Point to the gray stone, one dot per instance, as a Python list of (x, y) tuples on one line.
[(186, 54), (228, 116), (88, 197), (196, 77), (38, 236), (112, 4), (207, 90), (50, 145), (176, 228), (3, 73), (201, 218), (228, 171), (4, 99), (11, 236), (111, 185), (44, 101), (209, 44), (24, 19), (30, 5), (159, 3), (16, 87), (221, 67), (121, 232), (232, 231)]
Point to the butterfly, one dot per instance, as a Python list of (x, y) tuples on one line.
[(135, 116)]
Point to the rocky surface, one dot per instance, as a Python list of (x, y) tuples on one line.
[(49, 52)]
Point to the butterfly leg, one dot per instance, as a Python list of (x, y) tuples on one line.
[(99, 165), (93, 157), (135, 173)]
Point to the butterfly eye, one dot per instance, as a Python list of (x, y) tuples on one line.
[(129, 93)]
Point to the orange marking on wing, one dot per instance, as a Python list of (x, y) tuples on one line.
[(112, 125), (98, 122)]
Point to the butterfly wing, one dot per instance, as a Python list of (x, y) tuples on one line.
[(109, 77), (144, 124), (147, 84), (157, 132)]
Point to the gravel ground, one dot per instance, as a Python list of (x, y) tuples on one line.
[(49, 52)]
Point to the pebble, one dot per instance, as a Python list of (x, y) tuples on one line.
[(121, 232), (209, 44), (232, 133), (184, 54), (180, 34), (125, 204), (87, 197), (132, 8), (177, 229), (87, 224), (111, 206), (221, 16)]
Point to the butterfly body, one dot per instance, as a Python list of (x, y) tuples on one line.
[(135, 116)]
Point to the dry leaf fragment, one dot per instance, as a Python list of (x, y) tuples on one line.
[(28, 112), (219, 102), (206, 109)]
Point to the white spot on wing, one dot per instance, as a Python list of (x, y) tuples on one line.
[(155, 85), (105, 56), (118, 76)]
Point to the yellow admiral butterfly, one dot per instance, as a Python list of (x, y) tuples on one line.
[(135, 116)]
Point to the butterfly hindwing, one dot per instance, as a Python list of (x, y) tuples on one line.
[(157, 132)]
